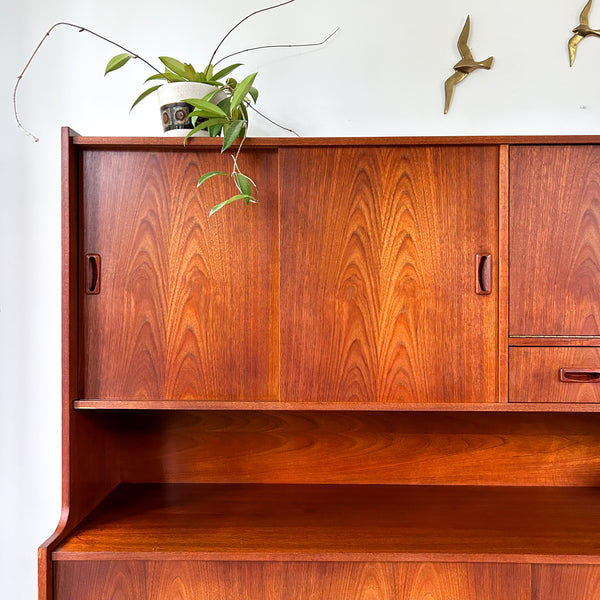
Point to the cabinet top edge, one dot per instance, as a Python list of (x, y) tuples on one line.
[(169, 143)]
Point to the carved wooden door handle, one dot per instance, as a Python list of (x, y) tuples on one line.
[(92, 274), (483, 274), (579, 375)]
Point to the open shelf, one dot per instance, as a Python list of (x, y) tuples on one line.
[(257, 522)]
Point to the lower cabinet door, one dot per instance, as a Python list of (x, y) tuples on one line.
[(224, 580), (565, 582)]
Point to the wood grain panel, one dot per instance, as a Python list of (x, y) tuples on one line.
[(555, 240), (399, 448), (188, 307), (340, 522), (108, 580), (176, 580), (534, 374), (565, 582), (378, 298)]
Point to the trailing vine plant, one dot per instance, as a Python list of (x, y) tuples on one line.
[(227, 117)]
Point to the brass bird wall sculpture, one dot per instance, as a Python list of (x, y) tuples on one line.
[(581, 31), (466, 64)]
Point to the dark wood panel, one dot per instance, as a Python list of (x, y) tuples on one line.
[(565, 582), (399, 448), (555, 240), (188, 304), (171, 580), (378, 295), (535, 374), (341, 522)]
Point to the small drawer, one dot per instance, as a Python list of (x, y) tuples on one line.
[(555, 374)]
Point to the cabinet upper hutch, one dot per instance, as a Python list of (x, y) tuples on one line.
[(381, 381)]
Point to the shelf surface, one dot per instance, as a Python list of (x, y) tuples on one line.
[(264, 522), (199, 404)]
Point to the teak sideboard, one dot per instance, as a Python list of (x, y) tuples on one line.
[(381, 382)]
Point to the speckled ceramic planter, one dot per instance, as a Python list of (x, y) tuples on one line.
[(174, 111)]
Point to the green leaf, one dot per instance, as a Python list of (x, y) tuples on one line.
[(173, 64), (208, 72), (190, 72), (116, 62), (210, 175), (211, 95), (207, 122), (157, 76), (172, 77), (244, 184), (225, 71), (191, 133), (254, 93), (215, 130), (144, 94), (231, 133), (225, 104), (208, 109), (241, 90), (214, 209), (200, 78)]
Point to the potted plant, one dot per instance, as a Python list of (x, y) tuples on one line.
[(206, 102)]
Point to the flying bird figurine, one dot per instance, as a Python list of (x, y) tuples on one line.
[(582, 30), (465, 65)]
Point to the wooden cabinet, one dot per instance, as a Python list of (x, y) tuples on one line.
[(379, 382)]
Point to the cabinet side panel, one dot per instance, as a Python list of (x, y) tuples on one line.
[(90, 465), (555, 240), (188, 304), (216, 580), (378, 274)]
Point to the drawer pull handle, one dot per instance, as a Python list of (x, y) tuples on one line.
[(580, 375), (92, 274), (483, 274)]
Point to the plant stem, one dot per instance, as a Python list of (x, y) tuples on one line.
[(278, 46), (236, 169), (210, 62), (46, 35), (271, 121)]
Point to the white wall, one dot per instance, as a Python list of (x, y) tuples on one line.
[(383, 74)]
